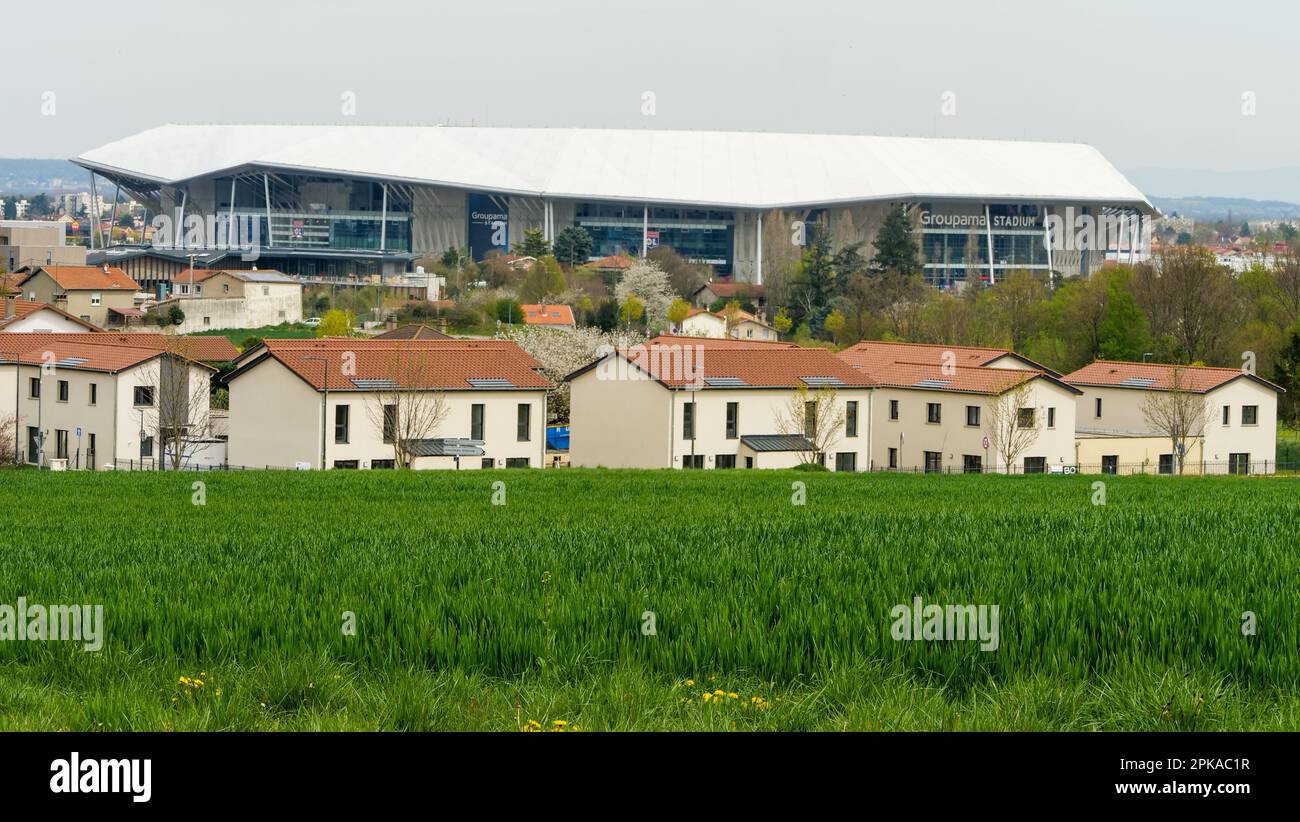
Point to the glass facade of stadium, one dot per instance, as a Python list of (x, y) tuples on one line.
[(320, 226)]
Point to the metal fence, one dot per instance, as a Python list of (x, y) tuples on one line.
[(1190, 469)]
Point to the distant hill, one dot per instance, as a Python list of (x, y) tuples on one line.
[(1272, 184), (34, 176), (1209, 209)]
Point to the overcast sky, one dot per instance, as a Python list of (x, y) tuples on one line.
[(1150, 84)]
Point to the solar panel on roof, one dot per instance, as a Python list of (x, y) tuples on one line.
[(490, 382), (71, 361), (725, 382), (1138, 382), (821, 382), (931, 383), (373, 384)]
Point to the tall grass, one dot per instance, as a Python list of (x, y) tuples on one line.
[(741, 582)]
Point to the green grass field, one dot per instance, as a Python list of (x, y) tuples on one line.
[(283, 331), (469, 615)]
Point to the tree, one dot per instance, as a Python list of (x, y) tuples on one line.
[(545, 281), (648, 282), (683, 275), (1190, 300), (1018, 300), (606, 318), (336, 323), (1123, 331), (782, 322), (1286, 373), (816, 416), (179, 413), (573, 246), (632, 310), (126, 221), (408, 410), (678, 312), (1011, 429), (7, 453), (1179, 413), (894, 244), (561, 351), (533, 245), (814, 282), (731, 314), (508, 311)]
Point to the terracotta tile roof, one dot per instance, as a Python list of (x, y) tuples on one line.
[(1156, 376), (428, 364), (963, 378), (23, 308), (613, 261), (871, 353), (719, 342), (12, 282), (72, 354), (200, 349), (413, 331), (742, 367), (548, 314), (88, 277), (730, 289)]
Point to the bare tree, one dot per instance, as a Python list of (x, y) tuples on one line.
[(7, 426), (1179, 413), (814, 415), (405, 410), (1012, 423), (180, 408)]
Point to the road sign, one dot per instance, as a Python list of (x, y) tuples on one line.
[(462, 447), (78, 432)]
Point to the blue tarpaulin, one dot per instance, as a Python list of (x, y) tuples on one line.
[(557, 437)]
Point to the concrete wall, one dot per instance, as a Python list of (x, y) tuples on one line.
[(283, 305)]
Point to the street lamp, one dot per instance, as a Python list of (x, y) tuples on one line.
[(325, 373)]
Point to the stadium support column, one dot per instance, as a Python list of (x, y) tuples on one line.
[(112, 215), (645, 227), (266, 197), (1047, 240), (95, 225), (180, 225), (1135, 239), (232, 236), (383, 227), (988, 232), (758, 248)]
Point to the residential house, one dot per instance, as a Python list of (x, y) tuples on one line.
[(84, 291), (96, 404), (709, 293), (1233, 413), (701, 322), (219, 298), (360, 403), (554, 316), (688, 402), (27, 316), (29, 243)]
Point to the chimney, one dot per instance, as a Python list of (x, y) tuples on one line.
[(11, 306), (105, 268)]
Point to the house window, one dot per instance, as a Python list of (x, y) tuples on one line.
[(851, 418), (60, 443), (487, 462), (523, 424), (696, 461), (341, 419), (347, 464), (34, 388), (724, 461), (1166, 465), (96, 299), (144, 396), (1239, 463), (390, 423), (1097, 407), (933, 462), (893, 458), (1051, 418), (207, 321), (749, 462), (90, 451), (225, 288), (933, 413), (1227, 415), (810, 420), (733, 419), (1250, 415), (516, 462), (1025, 418), (63, 391), (972, 463), (973, 416), (383, 464), (33, 443), (94, 393), (1110, 464), (688, 421), (1035, 465), (846, 461), (266, 289), (476, 421), (146, 448), (893, 409)]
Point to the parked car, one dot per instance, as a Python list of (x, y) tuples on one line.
[(311, 321)]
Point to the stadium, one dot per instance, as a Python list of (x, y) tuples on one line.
[(337, 200)]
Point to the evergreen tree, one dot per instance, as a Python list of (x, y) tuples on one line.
[(573, 246), (895, 246), (815, 282), (534, 244), (1286, 373)]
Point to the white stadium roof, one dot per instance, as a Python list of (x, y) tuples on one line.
[(715, 168)]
